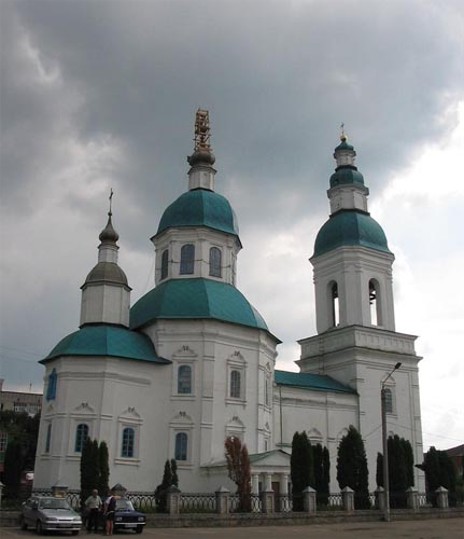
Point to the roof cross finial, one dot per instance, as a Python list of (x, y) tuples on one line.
[(110, 213), (343, 136)]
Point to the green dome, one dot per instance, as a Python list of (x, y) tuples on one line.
[(350, 228), (200, 207), (106, 340), (346, 175), (196, 298)]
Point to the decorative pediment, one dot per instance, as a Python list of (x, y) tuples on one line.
[(185, 352), (314, 435), (235, 423), (130, 413), (271, 460), (236, 358), (182, 418), (84, 408)]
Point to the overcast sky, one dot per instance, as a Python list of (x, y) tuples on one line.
[(100, 94)]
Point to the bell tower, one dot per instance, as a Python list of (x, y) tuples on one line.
[(352, 261), (356, 341)]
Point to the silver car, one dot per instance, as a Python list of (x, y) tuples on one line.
[(44, 514)]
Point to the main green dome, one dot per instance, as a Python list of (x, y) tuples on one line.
[(195, 298), (346, 175), (350, 228), (200, 207)]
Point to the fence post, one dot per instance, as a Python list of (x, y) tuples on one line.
[(380, 498), (173, 500), (413, 498), (348, 499), (1, 488), (442, 497), (222, 500), (309, 500)]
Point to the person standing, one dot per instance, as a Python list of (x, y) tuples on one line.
[(109, 509), (93, 504)]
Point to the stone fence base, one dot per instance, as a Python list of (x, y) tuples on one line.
[(11, 518)]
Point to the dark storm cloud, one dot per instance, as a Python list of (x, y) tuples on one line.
[(114, 85)]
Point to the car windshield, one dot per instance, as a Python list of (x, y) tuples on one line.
[(124, 505), (53, 503)]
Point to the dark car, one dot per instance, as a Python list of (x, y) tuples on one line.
[(46, 513), (126, 517)]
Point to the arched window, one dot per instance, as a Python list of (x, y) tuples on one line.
[(215, 262), (187, 259), (164, 264), (51, 387), (181, 446), (388, 400), (184, 379), (48, 438), (334, 304), (235, 382), (128, 442), (374, 302), (82, 433)]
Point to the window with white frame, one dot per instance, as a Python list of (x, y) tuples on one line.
[(215, 262), (388, 400), (181, 446), (164, 264), (82, 433), (51, 386), (128, 443), (187, 259), (235, 390), (184, 379)]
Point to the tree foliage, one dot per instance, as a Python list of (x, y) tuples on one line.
[(239, 468), (13, 466), (169, 479), (352, 470), (23, 429), (439, 472), (321, 473), (301, 468), (94, 468)]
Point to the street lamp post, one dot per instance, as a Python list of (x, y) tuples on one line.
[(386, 482)]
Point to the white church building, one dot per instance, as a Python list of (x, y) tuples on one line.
[(192, 361)]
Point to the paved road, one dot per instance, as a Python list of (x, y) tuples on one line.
[(452, 528)]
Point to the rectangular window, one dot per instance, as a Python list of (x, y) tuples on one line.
[(3, 441), (128, 442)]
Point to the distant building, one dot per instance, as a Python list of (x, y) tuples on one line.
[(16, 401), (456, 454), (193, 362)]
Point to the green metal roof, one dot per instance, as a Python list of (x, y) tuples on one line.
[(346, 175), (106, 340), (196, 298), (350, 228), (200, 207), (306, 380)]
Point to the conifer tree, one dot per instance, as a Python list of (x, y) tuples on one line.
[(352, 468), (321, 473), (90, 472), (104, 470), (301, 468), (12, 468)]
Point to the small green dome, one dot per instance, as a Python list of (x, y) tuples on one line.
[(350, 228), (346, 175), (195, 298), (344, 145), (106, 340), (200, 207)]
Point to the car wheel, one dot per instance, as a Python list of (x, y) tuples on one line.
[(139, 529), (39, 528), (22, 523)]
